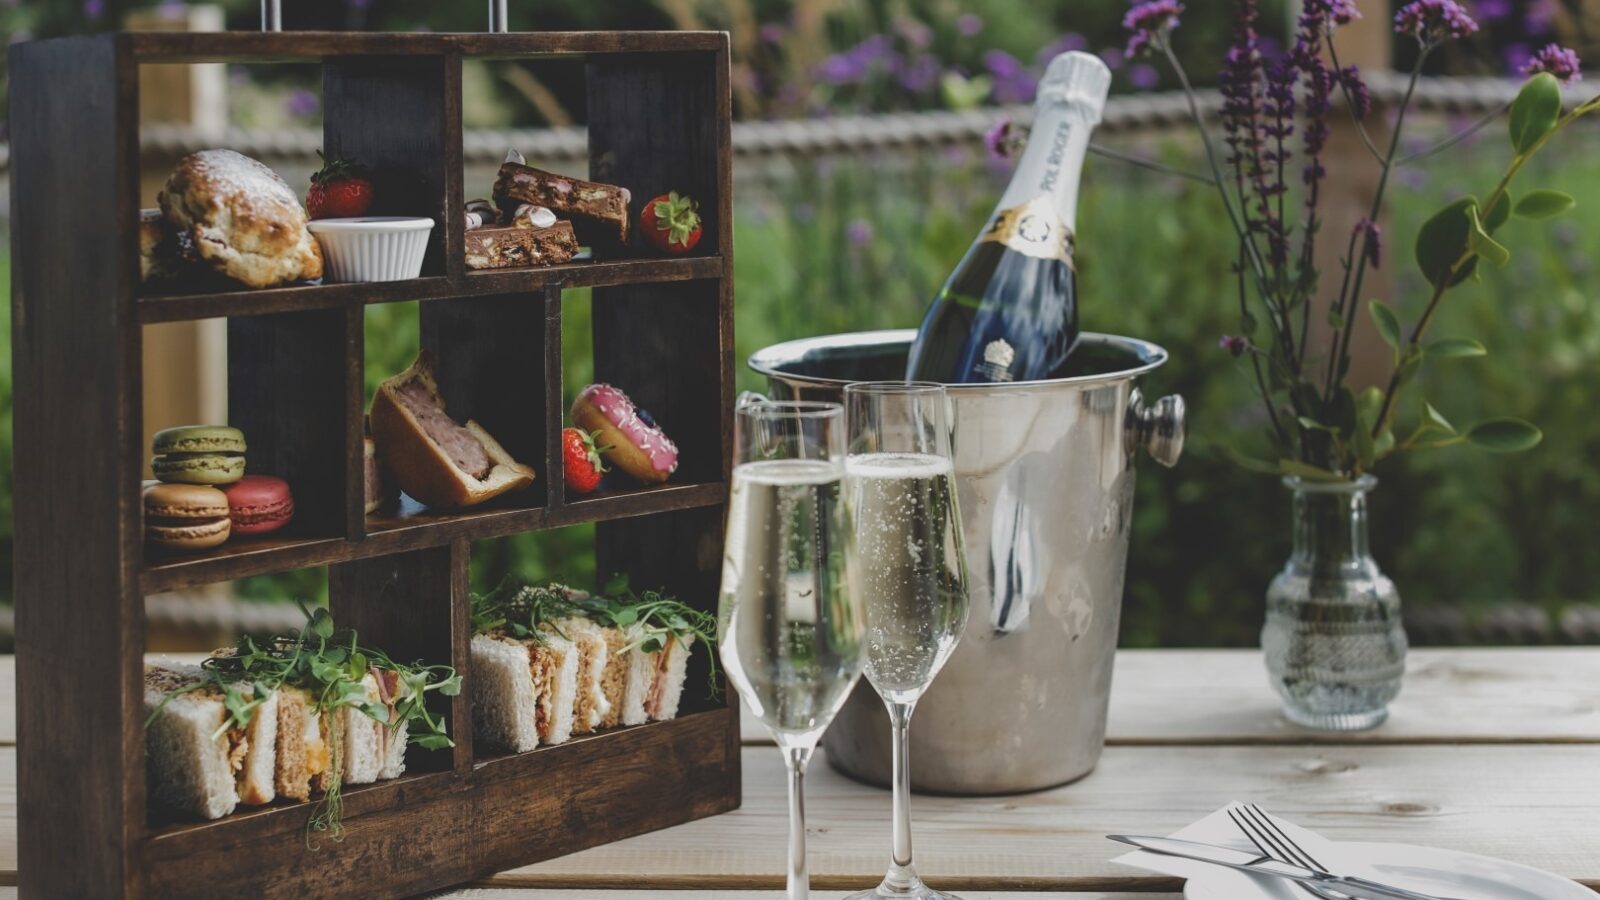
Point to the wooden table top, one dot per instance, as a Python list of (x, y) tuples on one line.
[(1488, 751)]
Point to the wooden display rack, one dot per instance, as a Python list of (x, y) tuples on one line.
[(658, 120)]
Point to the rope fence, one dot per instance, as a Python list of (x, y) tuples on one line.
[(1126, 114)]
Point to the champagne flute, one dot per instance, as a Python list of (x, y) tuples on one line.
[(908, 567), (789, 631)]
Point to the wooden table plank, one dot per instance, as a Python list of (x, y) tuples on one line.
[(1531, 804), (1522, 695), (538, 894), (1451, 696)]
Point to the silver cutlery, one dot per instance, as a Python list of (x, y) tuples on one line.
[(1264, 864), (1275, 843)]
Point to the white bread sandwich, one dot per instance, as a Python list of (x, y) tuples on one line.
[(551, 662), (199, 759), (373, 750), (433, 458), (290, 717)]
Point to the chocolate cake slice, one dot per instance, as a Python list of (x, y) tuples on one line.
[(600, 211), (506, 248)]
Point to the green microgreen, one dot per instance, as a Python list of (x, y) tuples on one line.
[(330, 664)]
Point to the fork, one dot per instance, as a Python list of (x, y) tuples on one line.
[(1275, 843)]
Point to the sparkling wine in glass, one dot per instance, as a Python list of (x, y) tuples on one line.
[(789, 630), (907, 566)]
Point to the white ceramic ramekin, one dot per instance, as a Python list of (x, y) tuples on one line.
[(372, 248)]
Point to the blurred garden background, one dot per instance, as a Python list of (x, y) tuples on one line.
[(859, 235)]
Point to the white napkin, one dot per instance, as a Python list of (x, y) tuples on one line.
[(1219, 881)]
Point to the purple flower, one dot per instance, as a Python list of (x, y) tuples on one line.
[(1065, 44), (301, 103), (1360, 97), (94, 9), (1234, 344), (1539, 16), (1517, 56), (997, 139), (969, 24), (1434, 21), (1371, 237), (772, 32), (1144, 77), (859, 232), (1340, 12), (920, 75), (1493, 9), (172, 8), (1558, 61), (1113, 57), (1013, 83), (1149, 22)]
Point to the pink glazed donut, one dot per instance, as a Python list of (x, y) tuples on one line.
[(634, 442)]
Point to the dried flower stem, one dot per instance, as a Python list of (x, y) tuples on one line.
[(1456, 138), (1145, 163)]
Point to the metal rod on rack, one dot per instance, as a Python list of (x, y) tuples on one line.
[(498, 22), (271, 15)]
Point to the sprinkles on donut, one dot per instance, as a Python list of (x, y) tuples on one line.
[(634, 442)]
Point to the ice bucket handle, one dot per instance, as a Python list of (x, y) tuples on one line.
[(1159, 428)]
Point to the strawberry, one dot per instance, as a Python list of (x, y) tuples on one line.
[(580, 461), (671, 222), (341, 189)]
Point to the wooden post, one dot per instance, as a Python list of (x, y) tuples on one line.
[(1346, 200)]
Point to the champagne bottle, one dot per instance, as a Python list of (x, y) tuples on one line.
[(1009, 311)]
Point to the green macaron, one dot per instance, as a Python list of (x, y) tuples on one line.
[(198, 439), (198, 468)]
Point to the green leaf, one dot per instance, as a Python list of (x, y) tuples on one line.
[(1367, 404), (1484, 245), (1535, 111), (1442, 241), (1500, 213), (1544, 204), (1388, 324), (1455, 348), (1311, 424), (1504, 435), (1410, 364), (322, 624), (1437, 418), (1383, 444), (432, 741)]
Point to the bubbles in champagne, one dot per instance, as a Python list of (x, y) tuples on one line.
[(906, 566), (789, 632)]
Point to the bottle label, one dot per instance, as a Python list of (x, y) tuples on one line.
[(998, 355), (1033, 229)]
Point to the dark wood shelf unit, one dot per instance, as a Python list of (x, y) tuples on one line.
[(181, 307), (659, 119)]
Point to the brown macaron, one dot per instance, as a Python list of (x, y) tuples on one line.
[(185, 516)]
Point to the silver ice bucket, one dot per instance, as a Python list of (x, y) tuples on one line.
[(1045, 473)]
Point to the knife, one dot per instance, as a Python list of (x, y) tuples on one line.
[(1356, 888)]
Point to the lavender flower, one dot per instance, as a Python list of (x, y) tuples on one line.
[(916, 33), (1434, 21), (1340, 12), (859, 232), (1517, 56), (1234, 344), (997, 139), (1360, 96), (920, 75), (1371, 237), (1064, 44), (1493, 9), (772, 32), (1558, 61), (969, 24), (1150, 22), (301, 103), (1013, 83), (1143, 77)]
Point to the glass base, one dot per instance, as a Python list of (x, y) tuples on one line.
[(1351, 721), (915, 891)]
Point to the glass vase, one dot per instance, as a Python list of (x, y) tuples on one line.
[(1334, 645)]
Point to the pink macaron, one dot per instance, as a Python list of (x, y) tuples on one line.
[(258, 504)]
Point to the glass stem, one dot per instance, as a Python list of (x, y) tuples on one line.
[(901, 874), (799, 880)]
